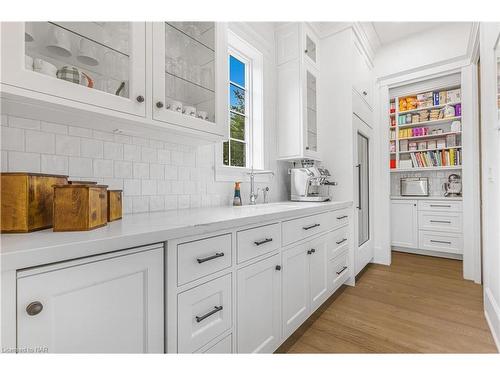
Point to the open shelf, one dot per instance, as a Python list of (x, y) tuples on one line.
[(442, 168), (439, 106), (430, 122), (429, 136), (431, 149)]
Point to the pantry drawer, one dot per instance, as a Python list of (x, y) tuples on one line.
[(258, 241), (202, 257), (338, 271), (298, 229), (442, 206), (224, 346), (338, 241), (203, 313), (440, 221), (440, 241)]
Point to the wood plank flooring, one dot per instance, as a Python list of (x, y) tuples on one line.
[(419, 304)]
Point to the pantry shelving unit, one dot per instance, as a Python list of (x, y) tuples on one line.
[(435, 130)]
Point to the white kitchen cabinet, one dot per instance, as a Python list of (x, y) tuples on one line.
[(362, 75), (318, 262), (259, 306), (98, 63), (104, 304), (404, 223), (298, 75), (190, 75)]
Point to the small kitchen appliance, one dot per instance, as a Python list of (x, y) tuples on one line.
[(414, 186), (306, 182), (453, 187)]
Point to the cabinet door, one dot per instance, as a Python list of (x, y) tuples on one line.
[(318, 282), (98, 63), (190, 75), (310, 112), (259, 306), (362, 75), (107, 306), (310, 44), (404, 226), (295, 287)]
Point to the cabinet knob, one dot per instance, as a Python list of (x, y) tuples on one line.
[(34, 308), (307, 147), (140, 99), (278, 268), (159, 104), (305, 51), (365, 93)]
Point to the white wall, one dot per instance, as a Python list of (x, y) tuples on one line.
[(154, 175), (433, 47)]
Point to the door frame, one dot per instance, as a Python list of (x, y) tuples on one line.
[(362, 128)]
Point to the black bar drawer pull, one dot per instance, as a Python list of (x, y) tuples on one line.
[(203, 317), (341, 241), (441, 205), (258, 243), (342, 270), (312, 251), (445, 242), (441, 221), (216, 255), (311, 226), (341, 217)]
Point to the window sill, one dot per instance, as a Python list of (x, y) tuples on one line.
[(232, 174)]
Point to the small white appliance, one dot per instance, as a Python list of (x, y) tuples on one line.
[(306, 182), (414, 186)]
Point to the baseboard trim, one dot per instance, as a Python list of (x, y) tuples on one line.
[(428, 253), (492, 315)]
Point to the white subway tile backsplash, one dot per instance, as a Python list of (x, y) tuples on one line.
[(171, 202), (140, 204), (164, 156), (41, 142), (183, 201), (157, 203), (183, 174), (140, 141), (5, 161), (50, 127), (67, 145), (25, 123), (103, 168), (121, 138), (113, 151), (80, 132), (148, 187), (113, 183), (148, 155), (132, 187), (12, 139), (141, 170), (54, 164), (170, 172), (123, 169), (80, 166), (24, 162), (103, 136), (164, 187), (189, 159), (132, 152), (176, 158), (91, 148), (157, 171), (127, 205)]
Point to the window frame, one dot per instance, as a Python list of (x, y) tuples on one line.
[(254, 82)]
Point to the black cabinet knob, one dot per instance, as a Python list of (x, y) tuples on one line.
[(278, 268), (140, 99), (159, 104)]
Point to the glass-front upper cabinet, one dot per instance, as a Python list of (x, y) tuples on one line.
[(310, 46), (311, 112), (97, 63), (190, 75)]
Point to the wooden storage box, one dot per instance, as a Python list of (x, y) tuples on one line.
[(114, 205), (27, 201), (80, 207)]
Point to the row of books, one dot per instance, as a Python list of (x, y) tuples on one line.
[(438, 158)]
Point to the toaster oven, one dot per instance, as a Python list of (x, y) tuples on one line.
[(414, 186)]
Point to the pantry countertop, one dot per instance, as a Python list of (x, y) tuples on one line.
[(430, 198), (32, 249)]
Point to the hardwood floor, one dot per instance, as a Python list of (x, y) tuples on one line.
[(417, 305)]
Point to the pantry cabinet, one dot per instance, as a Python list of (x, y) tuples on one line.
[(98, 63), (103, 304), (259, 306), (162, 77), (298, 75), (404, 223), (190, 75)]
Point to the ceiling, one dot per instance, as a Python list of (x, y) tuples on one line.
[(388, 32)]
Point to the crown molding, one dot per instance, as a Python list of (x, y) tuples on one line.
[(473, 43)]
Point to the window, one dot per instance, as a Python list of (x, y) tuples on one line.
[(236, 151), (245, 147)]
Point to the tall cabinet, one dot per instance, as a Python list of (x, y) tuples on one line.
[(298, 75)]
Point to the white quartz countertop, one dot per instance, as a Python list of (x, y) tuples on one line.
[(43, 247), (430, 198)]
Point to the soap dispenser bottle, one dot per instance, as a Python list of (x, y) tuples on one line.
[(237, 194)]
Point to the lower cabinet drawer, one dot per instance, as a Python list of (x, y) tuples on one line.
[(203, 313), (440, 241), (258, 241), (440, 221), (440, 205), (202, 257), (338, 242), (224, 346), (338, 271), (298, 229)]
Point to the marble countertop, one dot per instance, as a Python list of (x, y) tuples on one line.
[(430, 198), (32, 249)]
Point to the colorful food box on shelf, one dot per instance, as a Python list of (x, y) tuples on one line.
[(435, 98), (458, 110), (393, 163), (453, 96)]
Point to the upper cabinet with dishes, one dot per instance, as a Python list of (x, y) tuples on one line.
[(104, 68), (298, 74)]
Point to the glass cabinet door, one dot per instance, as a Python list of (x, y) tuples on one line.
[(311, 112), (310, 50), (186, 88), (99, 63)]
